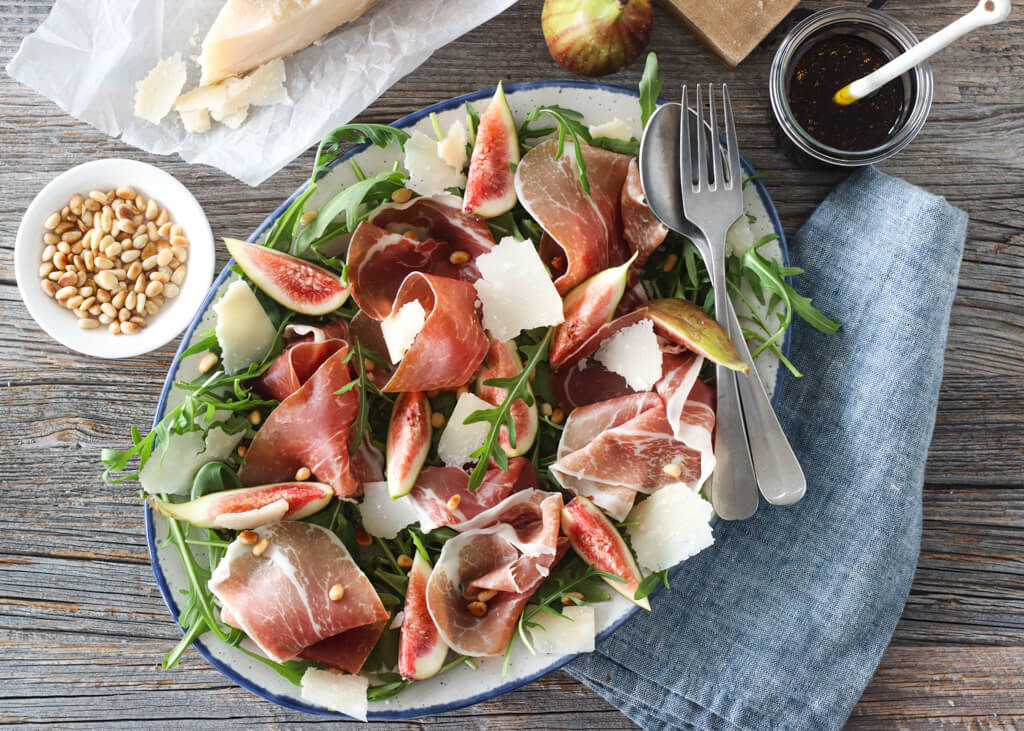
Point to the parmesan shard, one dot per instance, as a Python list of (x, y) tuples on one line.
[(244, 331), (670, 526), (567, 633), (614, 130), (634, 354), (248, 33), (516, 290), (228, 102), (459, 440), (343, 693), (429, 173), (155, 94), (400, 329), (383, 516), (196, 121)]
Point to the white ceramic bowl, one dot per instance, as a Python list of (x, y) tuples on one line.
[(151, 182)]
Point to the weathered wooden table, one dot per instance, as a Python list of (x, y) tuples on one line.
[(83, 627)]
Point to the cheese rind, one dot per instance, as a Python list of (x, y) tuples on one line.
[(155, 94), (244, 331), (459, 440), (516, 290), (248, 33), (670, 526)]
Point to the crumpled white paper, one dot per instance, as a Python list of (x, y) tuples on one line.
[(87, 57)]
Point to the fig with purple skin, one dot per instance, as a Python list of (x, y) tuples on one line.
[(421, 651), (502, 361), (249, 507), (408, 441), (687, 324), (596, 37), (598, 543), (490, 184), (295, 283), (588, 306)]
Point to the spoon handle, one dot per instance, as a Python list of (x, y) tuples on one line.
[(779, 475)]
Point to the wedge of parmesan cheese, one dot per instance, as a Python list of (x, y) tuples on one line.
[(429, 173), (568, 634), (670, 526), (171, 471), (228, 102), (516, 290), (401, 327), (244, 331), (382, 516), (155, 94), (634, 354), (739, 237), (459, 440), (614, 130), (343, 693), (452, 149), (248, 33)]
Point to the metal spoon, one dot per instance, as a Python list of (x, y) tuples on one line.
[(779, 476)]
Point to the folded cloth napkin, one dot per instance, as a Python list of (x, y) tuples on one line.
[(780, 624)]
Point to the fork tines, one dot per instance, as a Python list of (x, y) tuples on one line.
[(704, 143)]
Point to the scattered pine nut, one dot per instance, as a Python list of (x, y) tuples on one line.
[(545, 409), (302, 474), (255, 417), (437, 420), (670, 263), (336, 593), (308, 217), (248, 537), (486, 595), (458, 257), (569, 596), (368, 365), (241, 451), (557, 415), (672, 470), (404, 561), (453, 502), (402, 195), (207, 362), (410, 234), (260, 547), (363, 538), (477, 608)]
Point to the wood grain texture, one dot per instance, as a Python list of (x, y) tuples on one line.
[(82, 625)]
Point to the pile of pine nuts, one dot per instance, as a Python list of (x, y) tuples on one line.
[(113, 259)]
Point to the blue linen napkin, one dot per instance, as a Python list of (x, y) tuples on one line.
[(781, 624)]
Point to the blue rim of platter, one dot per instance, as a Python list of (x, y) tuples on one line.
[(165, 589)]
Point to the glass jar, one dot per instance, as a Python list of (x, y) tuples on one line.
[(883, 31)]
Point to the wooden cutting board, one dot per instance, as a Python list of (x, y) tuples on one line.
[(731, 29)]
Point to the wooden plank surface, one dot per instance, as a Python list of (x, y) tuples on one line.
[(82, 625)]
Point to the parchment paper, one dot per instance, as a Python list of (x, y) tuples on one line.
[(87, 56)]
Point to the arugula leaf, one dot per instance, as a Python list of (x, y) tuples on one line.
[(380, 135), (568, 126), (516, 388), (650, 88), (650, 583), (287, 224)]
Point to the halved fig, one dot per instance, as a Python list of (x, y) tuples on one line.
[(295, 283), (687, 324), (490, 185), (249, 507), (408, 441), (598, 543), (587, 307), (421, 651), (502, 361)]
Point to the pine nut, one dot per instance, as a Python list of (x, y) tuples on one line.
[(117, 300), (477, 609), (76, 201), (437, 420), (138, 320), (140, 284), (125, 192), (176, 231), (149, 250), (114, 328), (162, 218), (152, 231), (402, 195), (453, 502), (255, 417), (260, 547), (128, 226), (74, 302), (149, 263), (50, 239), (134, 270), (102, 262), (86, 291), (49, 287), (180, 241), (336, 593), (302, 474), (102, 295), (207, 362), (82, 279), (45, 268), (248, 537), (164, 257), (107, 220), (55, 275), (64, 292), (180, 253), (140, 241), (486, 595), (160, 276), (48, 251), (178, 277), (152, 307), (88, 302), (124, 314), (129, 256), (98, 196), (130, 301), (87, 323), (152, 210), (458, 257), (92, 206), (404, 561), (63, 227), (106, 279), (94, 310), (672, 470), (130, 328), (113, 249), (171, 291), (52, 220), (71, 236)]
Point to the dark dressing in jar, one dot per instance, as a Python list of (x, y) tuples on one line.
[(829, 65)]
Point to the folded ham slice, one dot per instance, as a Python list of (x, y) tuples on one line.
[(452, 344), (641, 229), (583, 234), (613, 450), (436, 486), (309, 427), (346, 651), (586, 383), (509, 549), (308, 347), (280, 598), (437, 217)]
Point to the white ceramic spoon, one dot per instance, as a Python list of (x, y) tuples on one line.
[(988, 12)]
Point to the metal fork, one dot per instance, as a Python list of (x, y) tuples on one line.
[(712, 204)]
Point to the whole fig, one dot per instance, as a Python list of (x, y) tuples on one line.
[(596, 37)]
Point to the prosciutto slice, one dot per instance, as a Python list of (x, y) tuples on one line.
[(306, 351), (438, 217), (586, 383), (436, 486), (378, 262), (641, 229), (452, 344), (309, 427), (583, 234), (346, 651), (280, 598), (512, 557)]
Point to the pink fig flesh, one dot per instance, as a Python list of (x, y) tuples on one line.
[(587, 307), (249, 507), (688, 325), (295, 283), (596, 37), (598, 543), (421, 651), (490, 184), (408, 441), (503, 361)]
